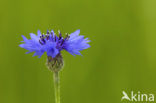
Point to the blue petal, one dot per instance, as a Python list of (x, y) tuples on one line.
[(52, 52), (51, 49), (74, 34), (39, 54), (24, 38), (34, 37), (38, 33), (76, 43)]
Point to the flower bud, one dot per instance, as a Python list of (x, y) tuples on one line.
[(55, 64)]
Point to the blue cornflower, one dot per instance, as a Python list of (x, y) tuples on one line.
[(53, 45)]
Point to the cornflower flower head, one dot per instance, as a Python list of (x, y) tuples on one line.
[(53, 45)]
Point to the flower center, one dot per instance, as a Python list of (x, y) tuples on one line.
[(53, 38)]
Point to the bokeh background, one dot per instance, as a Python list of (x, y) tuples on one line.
[(122, 54)]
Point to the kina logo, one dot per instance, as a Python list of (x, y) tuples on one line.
[(136, 97)]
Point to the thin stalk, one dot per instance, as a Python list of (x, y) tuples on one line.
[(57, 87)]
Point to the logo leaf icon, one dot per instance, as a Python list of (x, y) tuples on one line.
[(125, 96)]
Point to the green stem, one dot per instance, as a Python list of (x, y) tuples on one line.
[(57, 87)]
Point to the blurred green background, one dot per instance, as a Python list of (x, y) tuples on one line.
[(122, 54)]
